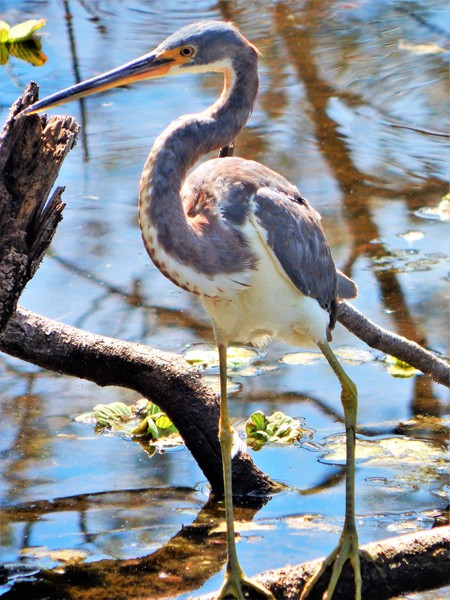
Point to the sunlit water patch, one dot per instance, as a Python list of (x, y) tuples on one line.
[(411, 460), (348, 355), (206, 357)]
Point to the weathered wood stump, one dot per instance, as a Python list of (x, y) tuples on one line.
[(31, 153)]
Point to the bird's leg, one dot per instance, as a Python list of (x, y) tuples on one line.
[(347, 548), (236, 583)]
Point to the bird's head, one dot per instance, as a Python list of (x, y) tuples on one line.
[(200, 47), (204, 46)]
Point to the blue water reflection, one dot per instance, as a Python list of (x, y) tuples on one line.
[(369, 79)]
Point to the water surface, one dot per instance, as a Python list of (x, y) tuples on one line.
[(352, 107)]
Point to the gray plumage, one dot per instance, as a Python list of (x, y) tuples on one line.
[(200, 222)]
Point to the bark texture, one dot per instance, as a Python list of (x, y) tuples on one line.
[(31, 153)]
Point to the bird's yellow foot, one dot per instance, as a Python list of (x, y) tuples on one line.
[(240, 587), (347, 549)]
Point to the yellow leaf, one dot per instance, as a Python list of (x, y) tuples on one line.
[(23, 31), (4, 31), (163, 422)]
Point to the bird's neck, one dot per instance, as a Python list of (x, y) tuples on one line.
[(164, 224), (188, 138)]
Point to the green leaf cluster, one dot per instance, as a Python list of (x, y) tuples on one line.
[(276, 429), (107, 415), (155, 425)]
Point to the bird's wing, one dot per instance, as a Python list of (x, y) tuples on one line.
[(227, 193), (346, 287), (291, 231)]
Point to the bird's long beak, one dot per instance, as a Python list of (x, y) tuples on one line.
[(148, 66)]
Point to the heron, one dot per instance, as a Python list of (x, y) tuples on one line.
[(242, 238)]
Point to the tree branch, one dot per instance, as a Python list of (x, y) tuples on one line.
[(167, 379), (393, 344)]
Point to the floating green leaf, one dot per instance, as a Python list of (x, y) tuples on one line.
[(155, 425), (276, 429), (301, 358), (107, 414), (354, 355), (143, 422), (205, 356), (152, 409), (24, 31), (152, 429), (258, 420), (164, 422), (440, 212), (410, 460), (349, 354), (140, 430), (4, 54)]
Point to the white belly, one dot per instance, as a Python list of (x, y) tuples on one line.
[(271, 307)]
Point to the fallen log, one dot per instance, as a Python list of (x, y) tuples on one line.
[(409, 563)]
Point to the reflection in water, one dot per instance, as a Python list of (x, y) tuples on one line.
[(77, 75), (348, 110)]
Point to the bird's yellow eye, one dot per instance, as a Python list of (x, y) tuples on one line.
[(187, 51)]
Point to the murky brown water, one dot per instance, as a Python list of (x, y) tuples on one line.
[(352, 108)]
